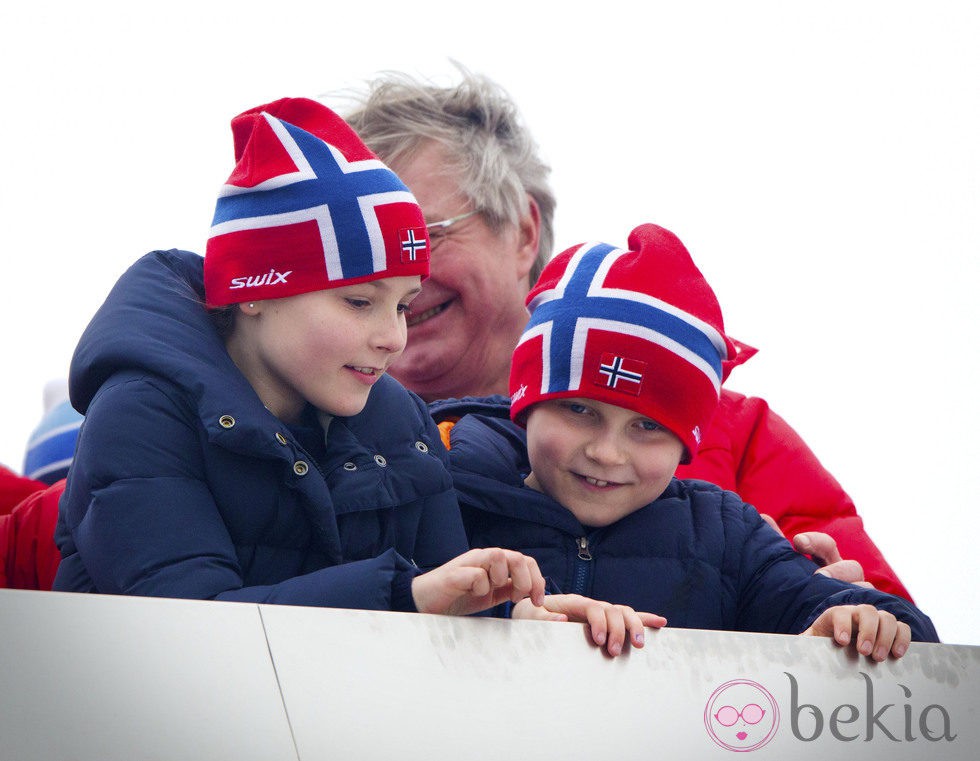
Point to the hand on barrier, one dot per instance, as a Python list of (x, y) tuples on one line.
[(878, 632), (477, 580), (608, 623)]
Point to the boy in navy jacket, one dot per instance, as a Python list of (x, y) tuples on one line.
[(613, 382)]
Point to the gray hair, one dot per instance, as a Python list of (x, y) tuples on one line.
[(479, 125)]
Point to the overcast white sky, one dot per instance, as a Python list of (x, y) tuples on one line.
[(820, 160)]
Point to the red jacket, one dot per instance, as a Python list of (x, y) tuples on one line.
[(28, 555), (14, 489), (750, 450)]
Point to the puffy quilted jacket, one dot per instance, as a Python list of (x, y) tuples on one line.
[(698, 554), (185, 485)]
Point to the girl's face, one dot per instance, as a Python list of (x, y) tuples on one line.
[(325, 347)]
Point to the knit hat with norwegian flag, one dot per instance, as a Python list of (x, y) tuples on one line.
[(307, 207), (639, 329)]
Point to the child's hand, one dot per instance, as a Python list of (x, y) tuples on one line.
[(878, 632), (477, 580), (608, 623)]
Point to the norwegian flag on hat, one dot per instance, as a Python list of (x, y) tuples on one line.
[(307, 207), (620, 373), (638, 328)]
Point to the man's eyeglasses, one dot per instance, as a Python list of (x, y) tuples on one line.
[(446, 223), (439, 231), (750, 714)]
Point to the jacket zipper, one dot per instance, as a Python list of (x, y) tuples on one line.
[(583, 566)]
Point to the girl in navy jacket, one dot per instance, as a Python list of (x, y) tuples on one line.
[(242, 440), (615, 378)]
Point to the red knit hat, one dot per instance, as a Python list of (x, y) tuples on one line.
[(639, 329), (307, 207)]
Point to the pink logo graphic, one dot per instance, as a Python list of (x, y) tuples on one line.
[(741, 715)]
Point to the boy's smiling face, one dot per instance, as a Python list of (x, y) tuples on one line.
[(600, 461)]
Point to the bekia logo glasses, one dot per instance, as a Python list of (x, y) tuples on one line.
[(750, 714)]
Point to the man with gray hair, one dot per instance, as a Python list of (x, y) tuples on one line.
[(474, 169)]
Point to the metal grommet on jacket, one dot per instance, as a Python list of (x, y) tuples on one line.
[(382, 462), (281, 439), (422, 446), (349, 466), (226, 421), (300, 468)]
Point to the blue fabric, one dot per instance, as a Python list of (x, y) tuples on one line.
[(185, 485), (697, 555), (52, 444)]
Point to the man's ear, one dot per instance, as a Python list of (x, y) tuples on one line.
[(529, 236), (250, 308)]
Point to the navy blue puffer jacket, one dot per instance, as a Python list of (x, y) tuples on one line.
[(697, 555), (185, 485)]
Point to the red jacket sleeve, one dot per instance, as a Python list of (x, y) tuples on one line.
[(750, 450), (28, 556), (14, 489)]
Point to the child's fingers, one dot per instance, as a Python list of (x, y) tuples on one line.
[(497, 567), (527, 610), (652, 620), (527, 579), (615, 629), (537, 582), (573, 607), (836, 621), (866, 621), (486, 576), (634, 626), (520, 577), (887, 629), (902, 639), (875, 632), (595, 615), (471, 580), (518, 573), (511, 570), (609, 624)]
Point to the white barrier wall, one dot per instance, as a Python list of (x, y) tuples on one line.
[(98, 677)]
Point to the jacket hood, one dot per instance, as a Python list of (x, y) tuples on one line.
[(154, 321)]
